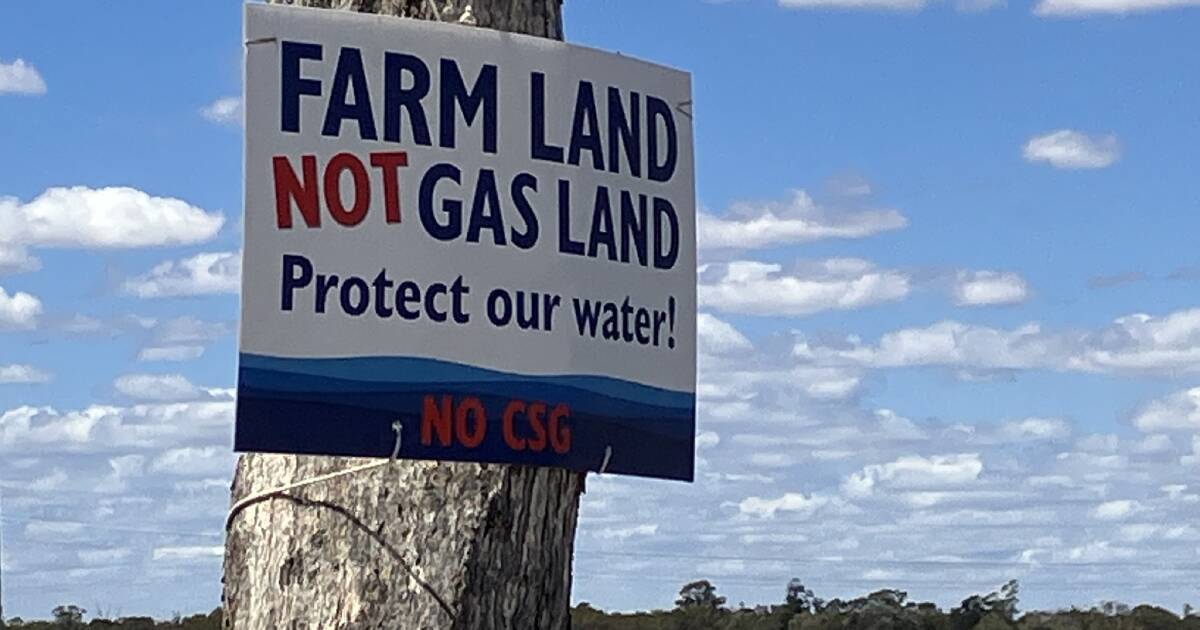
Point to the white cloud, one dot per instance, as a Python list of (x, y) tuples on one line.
[(103, 557), (16, 259), (1178, 412), (18, 373), (1135, 343), (188, 553), (707, 439), (202, 274), (1116, 510), (1192, 459), (765, 289), (951, 343), (179, 338), (52, 530), (20, 77), (101, 428), (104, 218), (715, 336), (18, 311), (1071, 149), (1034, 429), (191, 461), (157, 387), (790, 502), (1096, 551), (1107, 7), (1154, 444), (227, 110), (753, 226), (121, 470), (624, 533), (186, 330), (170, 353), (984, 288), (773, 460), (915, 471), (49, 483)]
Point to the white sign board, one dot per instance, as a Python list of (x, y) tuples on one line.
[(485, 236)]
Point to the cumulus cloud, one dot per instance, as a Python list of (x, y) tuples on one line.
[(987, 288), (1116, 510), (20, 77), (1134, 343), (624, 533), (191, 461), (180, 338), (170, 353), (915, 471), (121, 470), (104, 218), (225, 111), (104, 428), (17, 373), (202, 274), (789, 502), (19, 310), (188, 553), (157, 387), (1071, 149), (947, 343), (103, 557), (1107, 7), (1178, 412), (800, 220), (715, 336), (16, 259), (766, 289), (1035, 429)]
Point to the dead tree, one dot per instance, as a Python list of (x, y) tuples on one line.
[(413, 545)]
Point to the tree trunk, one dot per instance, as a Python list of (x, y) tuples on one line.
[(412, 545)]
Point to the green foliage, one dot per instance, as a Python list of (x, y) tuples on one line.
[(72, 617), (699, 607)]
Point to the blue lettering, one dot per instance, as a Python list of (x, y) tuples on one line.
[(292, 86), (451, 207), (585, 114), (541, 150), (397, 97), (291, 264), (486, 197), (565, 244), (349, 74), (483, 95), (657, 110)]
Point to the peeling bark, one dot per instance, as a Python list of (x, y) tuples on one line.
[(413, 545), (531, 17)]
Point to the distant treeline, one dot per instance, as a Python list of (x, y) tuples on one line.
[(73, 617), (699, 607)]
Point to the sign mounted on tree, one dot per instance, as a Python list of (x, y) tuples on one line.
[(487, 237)]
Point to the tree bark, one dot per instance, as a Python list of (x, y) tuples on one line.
[(412, 545)]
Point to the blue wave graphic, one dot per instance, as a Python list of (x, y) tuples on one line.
[(346, 406), (413, 370)]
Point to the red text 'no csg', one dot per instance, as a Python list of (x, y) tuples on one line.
[(531, 426)]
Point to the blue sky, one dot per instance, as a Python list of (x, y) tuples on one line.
[(1007, 335)]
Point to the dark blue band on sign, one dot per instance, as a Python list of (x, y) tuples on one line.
[(452, 411)]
